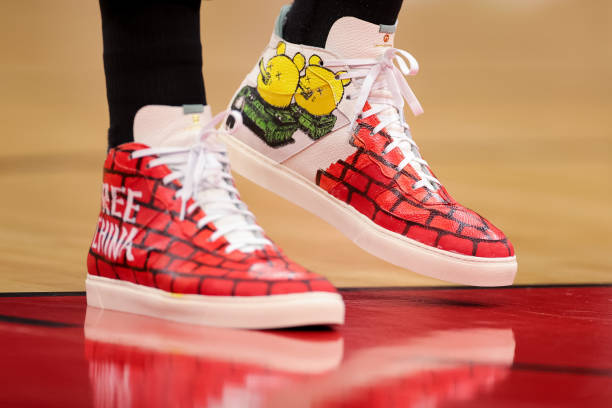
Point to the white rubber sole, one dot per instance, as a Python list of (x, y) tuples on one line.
[(387, 245), (241, 312)]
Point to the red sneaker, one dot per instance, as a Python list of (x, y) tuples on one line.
[(325, 129), (174, 241)]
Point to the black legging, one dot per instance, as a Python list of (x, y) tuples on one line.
[(152, 55)]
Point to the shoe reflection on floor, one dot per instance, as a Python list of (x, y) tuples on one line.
[(140, 361), (136, 361), (449, 365)]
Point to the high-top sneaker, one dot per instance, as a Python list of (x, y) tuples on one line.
[(174, 241), (325, 129)]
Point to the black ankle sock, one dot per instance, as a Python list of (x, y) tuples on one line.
[(309, 21), (152, 55)]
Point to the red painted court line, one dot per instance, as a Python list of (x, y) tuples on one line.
[(538, 346)]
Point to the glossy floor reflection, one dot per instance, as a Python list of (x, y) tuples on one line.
[(400, 348)]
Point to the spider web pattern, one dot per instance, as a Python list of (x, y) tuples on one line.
[(175, 255), (369, 181)]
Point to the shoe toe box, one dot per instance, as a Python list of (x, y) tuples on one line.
[(460, 230), (468, 233)]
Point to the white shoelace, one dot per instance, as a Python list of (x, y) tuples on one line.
[(383, 85), (204, 172)]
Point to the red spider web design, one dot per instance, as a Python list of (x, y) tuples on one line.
[(369, 181), (175, 256)]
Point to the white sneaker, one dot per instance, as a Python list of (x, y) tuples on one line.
[(324, 128), (174, 240)]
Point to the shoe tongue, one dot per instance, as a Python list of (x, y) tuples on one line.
[(350, 37), (176, 126), (170, 126)]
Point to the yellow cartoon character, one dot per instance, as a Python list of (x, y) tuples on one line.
[(320, 89), (278, 80)]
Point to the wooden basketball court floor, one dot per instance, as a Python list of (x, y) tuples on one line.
[(517, 125)]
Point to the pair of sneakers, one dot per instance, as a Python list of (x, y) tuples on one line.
[(323, 128)]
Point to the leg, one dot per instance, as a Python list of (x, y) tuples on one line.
[(152, 55), (173, 239)]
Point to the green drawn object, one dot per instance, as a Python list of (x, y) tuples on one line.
[(314, 126), (273, 125)]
